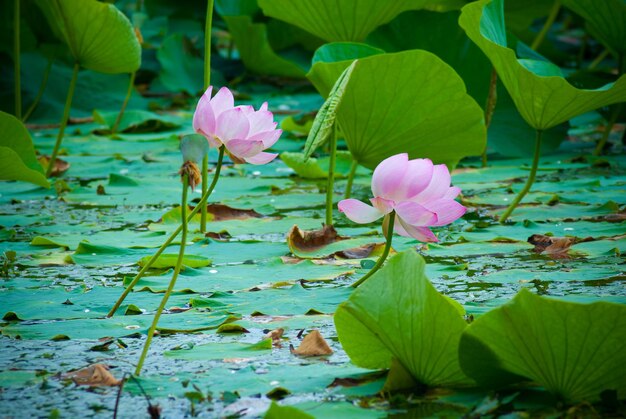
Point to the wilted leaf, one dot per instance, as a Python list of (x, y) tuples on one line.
[(223, 212), (93, 375), (313, 344)]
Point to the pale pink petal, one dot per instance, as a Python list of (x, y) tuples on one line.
[(203, 117), (263, 106), (359, 212), (244, 148), (438, 186), (261, 121), (261, 158), (269, 138), (383, 205), (415, 214), (247, 109), (422, 234), (222, 101), (417, 177), (388, 175), (452, 193), (231, 124), (447, 210), (213, 141)]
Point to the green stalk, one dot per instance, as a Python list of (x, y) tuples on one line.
[(66, 117), (616, 110), (42, 89), (353, 168), (490, 106), (529, 182), (172, 236), (546, 26), (205, 185), (330, 186), (16, 59), (170, 288), (131, 84), (381, 259), (208, 23), (599, 59)]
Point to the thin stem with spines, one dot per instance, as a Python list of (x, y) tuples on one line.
[(170, 287), (66, 117), (16, 59), (353, 167), (529, 182), (131, 84), (383, 257), (171, 238)]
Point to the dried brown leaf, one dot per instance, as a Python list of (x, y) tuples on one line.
[(93, 375), (223, 212), (312, 239), (313, 344), (60, 166)]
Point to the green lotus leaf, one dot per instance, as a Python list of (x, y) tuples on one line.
[(338, 20), (542, 96), (17, 154), (397, 313), (576, 351), (409, 101), (606, 21), (99, 36)]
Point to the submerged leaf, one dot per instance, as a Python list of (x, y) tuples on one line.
[(576, 351)]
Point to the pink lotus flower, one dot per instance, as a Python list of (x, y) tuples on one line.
[(243, 131), (418, 191)]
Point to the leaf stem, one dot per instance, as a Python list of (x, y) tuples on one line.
[(42, 88), (129, 92), (330, 185), (66, 117), (546, 26), (205, 186), (599, 59), (170, 288), (16, 59), (381, 259), (208, 23), (490, 106), (172, 236), (353, 167), (529, 182)]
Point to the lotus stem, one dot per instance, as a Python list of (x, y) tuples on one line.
[(554, 12), (66, 117), (131, 84), (353, 168), (208, 23), (42, 88), (529, 182), (205, 187), (330, 186), (170, 288), (381, 259), (490, 106), (172, 236), (599, 59), (16, 59), (617, 109)]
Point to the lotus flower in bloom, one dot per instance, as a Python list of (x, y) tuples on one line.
[(243, 131), (418, 191)]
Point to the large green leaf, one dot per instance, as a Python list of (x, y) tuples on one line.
[(574, 350), (543, 98), (397, 314), (255, 50), (99, 36), (17, 154), (440, 34), (410, 102), (606, 21), (338, 20)]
